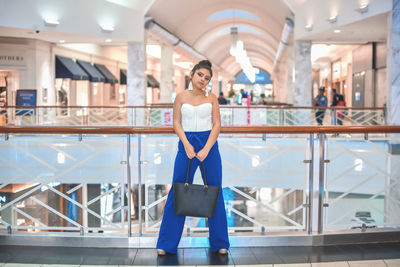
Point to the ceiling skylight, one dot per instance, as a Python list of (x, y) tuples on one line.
[(233, 14)]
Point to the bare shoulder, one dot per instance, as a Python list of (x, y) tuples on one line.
[(181, 97), (213, 97)]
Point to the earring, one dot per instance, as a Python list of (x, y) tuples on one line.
[(206, 91), (190, 86)]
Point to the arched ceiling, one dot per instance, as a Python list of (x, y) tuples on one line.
[(205, 25), (253, 43)]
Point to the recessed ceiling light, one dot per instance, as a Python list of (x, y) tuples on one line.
[(62, 41), (332, 19), (51, 21), (107, 28), (108, 40), (308, 27), (363, 9), (337, 31)]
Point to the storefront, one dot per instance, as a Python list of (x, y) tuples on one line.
[(72, 85), (96, 86), (3, 97), (122, 86), (12, 65), (25, 64), (110, 90)]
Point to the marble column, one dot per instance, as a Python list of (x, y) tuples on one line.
[(303, 72), (303, 82), (167, 73), (279, 84), (283, 77), (393, 65), (136, 83), (289, 75), (392, 208), (215, 83)]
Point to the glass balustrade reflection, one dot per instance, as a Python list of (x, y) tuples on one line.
[(64, 183), (157, 116), (361, 183), (264, 181), (78, 184)]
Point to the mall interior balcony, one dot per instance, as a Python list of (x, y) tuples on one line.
[(309, 105)]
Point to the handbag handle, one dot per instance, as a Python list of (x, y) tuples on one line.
[(203, 172)]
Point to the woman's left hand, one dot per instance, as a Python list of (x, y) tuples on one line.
[(202, 154)]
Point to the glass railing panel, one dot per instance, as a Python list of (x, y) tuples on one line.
[(226, 114), (297, 117), (361, 117), (107, 116), (262, 117), (158, 117), (65, 183), (361, 182), (78, 184), (264, 181), (162, 116)]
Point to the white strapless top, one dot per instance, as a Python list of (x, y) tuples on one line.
[(196, 118)]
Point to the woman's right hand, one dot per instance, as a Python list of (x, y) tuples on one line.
[(190, 151)]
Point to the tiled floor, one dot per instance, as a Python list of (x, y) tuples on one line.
[(373, 263), (376, 255)]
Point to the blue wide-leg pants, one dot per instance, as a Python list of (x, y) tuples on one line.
[(172, 224)]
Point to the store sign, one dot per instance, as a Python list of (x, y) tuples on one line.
[(3, 199), (26, 98), (12, 60), (336, 70)]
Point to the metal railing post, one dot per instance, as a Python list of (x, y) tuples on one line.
[(232, 117), (128, 165), (310, 184), (321, 185), (38, 116), (135, 114), (140, 183)]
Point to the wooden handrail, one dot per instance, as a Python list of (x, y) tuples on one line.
[(221, 106), (169, 130)]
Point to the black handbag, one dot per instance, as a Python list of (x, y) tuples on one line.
[(195, 200)]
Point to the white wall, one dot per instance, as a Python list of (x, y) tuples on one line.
[(215, 83), (369, 87), (35, 70), (283, 77), (349, 84), (179, 81), (45, 73)]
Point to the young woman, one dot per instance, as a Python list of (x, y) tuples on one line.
[(197, 123)]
